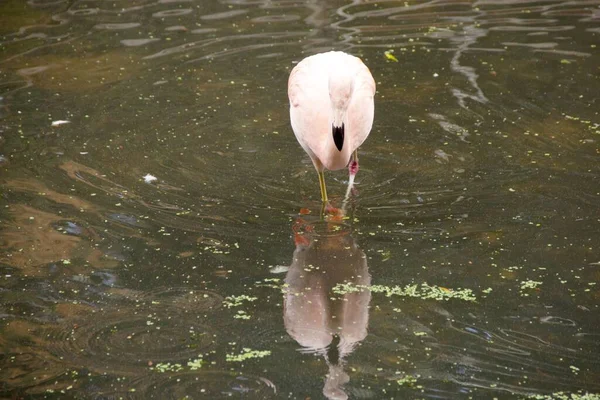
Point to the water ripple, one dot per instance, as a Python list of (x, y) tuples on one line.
[(276, 18), (223, 15), (117, 26), (172, 13), (138, 42), (214, 384), (128, 341)]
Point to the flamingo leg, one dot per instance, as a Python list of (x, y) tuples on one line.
[(353, 165), (323, 187)]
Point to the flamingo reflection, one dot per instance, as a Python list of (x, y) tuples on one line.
[(319, 319)]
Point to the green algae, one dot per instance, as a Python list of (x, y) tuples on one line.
[(167, 367), (191, 365), (236, 301), (195, 364), (423, 291), (247, 354), (565, 396), (241, 314), (408, 380)]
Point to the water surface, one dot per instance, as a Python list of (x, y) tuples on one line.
[(467, 265)]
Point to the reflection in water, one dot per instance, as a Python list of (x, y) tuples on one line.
[(321, 321), (469, 36)]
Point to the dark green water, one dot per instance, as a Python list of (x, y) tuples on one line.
[(481, 173)]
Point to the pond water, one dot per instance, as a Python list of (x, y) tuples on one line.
[(467, 264)]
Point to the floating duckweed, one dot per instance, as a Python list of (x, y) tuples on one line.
[(574, 369), (246, 355), (215, 246), (235, 301), (408, 380), (241, 314), (385, 255), (565, 396), (593, 126), (272, 283), (167, 367), (195, 364), (388, 55), (425, 291), (529, 284)]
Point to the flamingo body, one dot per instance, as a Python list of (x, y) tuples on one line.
[(331, 109)]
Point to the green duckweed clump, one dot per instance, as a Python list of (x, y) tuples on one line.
[(424, 291), (236, 301), (565, 396), (247, 354)]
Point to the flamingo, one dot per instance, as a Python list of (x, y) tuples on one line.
[(331, 111)]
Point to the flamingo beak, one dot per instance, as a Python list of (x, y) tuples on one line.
[(338, 136)]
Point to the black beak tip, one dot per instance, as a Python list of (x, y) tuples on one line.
[(338, 136)]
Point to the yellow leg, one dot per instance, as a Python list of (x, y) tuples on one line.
[(323, 208), (355, 155), (322, 185)]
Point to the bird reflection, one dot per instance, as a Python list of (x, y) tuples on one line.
[(320, 320)]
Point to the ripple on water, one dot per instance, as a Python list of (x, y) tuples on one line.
[(128, 220), (44, 3), (487, 355), (223, 15), (214, 384), (552, 320), (277, 18), (509, 28), (319, 228), (188, 385), (33, 70), (128, 339), (203, 30), (117, 26), (184, 300), (84, 11), (270, 55), (172, 13), (274, 189), (138, 42), (176, 28), (27, 370)]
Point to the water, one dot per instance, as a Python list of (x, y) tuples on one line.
[(481, 173)]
